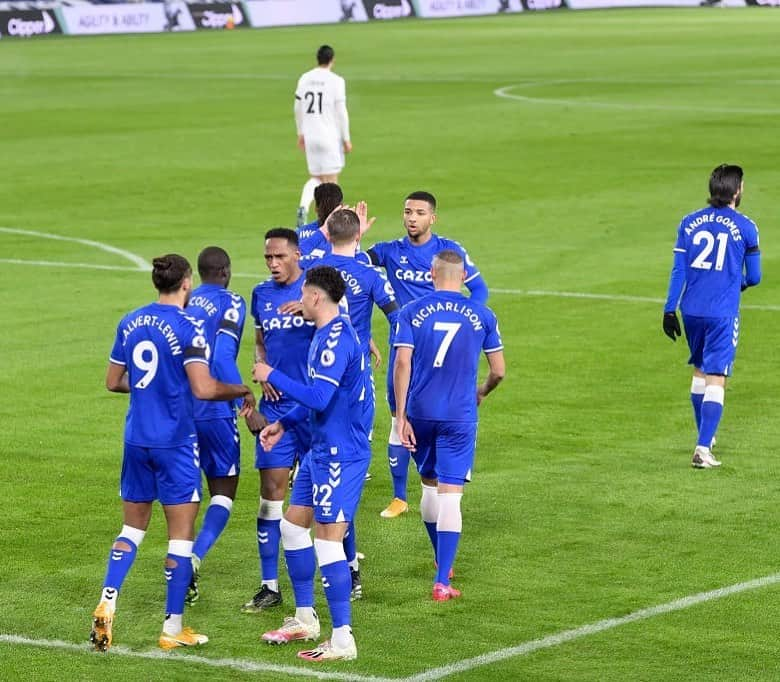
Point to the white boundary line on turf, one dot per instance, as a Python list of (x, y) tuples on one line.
[(465, 665), (141, 263), (241, 665), (591, 629), (144, 266), (505, 93)]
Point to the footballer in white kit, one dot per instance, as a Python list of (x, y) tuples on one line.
[(322, 123)]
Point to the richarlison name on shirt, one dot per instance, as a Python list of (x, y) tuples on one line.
[(450, 307), (153, 321), (724, 220)]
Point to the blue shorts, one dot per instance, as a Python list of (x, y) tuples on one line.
[(220, 447), (171, 475), (333, 488), (445, 450), (712, 342), (293, 445)]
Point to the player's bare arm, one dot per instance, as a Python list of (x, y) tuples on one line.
[(402, 372), (269, 392), (206, 387), (116, 378), (374, 351), (497, 372)]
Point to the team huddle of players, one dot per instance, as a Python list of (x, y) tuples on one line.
[(314, 348)]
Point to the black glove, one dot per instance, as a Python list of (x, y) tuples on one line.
[(671, 326)]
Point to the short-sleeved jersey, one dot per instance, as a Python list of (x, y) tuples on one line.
[(319, 91), (315, 245), (714, 241), (366, 286), (335, 357), (408, 266), (222, 312), (306, 231), (447, 332), (286, 337), (154, 343)]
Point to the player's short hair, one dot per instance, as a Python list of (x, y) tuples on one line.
[(283, 233), (343, 227), (327, 196), (169, 271), (724, 184), (325, 55), (423, 196), (449, 256), (328, 279), (212, 261)]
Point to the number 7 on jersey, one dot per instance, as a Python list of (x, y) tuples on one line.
[(449, 329)]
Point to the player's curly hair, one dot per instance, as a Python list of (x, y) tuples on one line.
[(423, 196), (327, 196), (283, 233), (169, 271), (328, 279), (724, 185)]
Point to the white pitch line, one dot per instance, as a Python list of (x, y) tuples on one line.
[(141, 263), (505, 93), (144, 266), (465, 665), (241, 665), (63, 264), (590, 629)]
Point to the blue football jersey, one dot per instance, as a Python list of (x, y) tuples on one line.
[(714, 241), (222, 312), (316, 244), (335, 356), (448, 332), (286, 337), (306, 231), (154, 343), (408, 266), (366, 286)]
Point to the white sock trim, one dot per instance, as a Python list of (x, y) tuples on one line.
[(714, 394), (429, 504), (270, 510), (135, 535), (172, 625), (306, 614), (393, 438), (180, 547), (450, 519), (329, 552), (221, 501), (697, 385), (294, 537)]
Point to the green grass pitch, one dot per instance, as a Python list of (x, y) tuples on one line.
[(584, 506)]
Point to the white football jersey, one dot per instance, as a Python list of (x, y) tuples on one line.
[(322, 95)]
